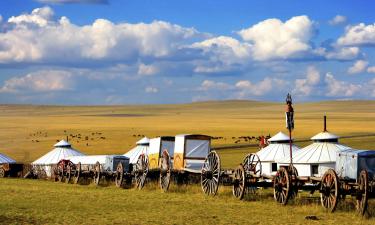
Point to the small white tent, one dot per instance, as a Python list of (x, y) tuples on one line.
[(316, 158), (278, 147), (142, 147), (6, 160), (62, 150)]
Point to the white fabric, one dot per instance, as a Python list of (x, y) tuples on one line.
[(5, 159), (324, 136), (275, 151), (279, 137), (134, 153), (197, 148), (143, 141), (62, 143), (56, 155)]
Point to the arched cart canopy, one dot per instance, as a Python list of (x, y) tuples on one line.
[(142, 147), (6, 159)]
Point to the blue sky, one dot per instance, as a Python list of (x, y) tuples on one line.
[(140, 52)]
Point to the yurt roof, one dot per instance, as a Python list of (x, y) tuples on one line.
[(279, 137), (143, 141), (134, 153), (63, 150), (276, 151), (6, 159), (325, 135), (317, 152)]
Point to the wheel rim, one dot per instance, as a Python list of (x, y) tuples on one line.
[(68, 174), (97, 173), (239, 182), (294, 182), (60, 172), (78, 173), (165, 172), (281, 186), (362, 195), (252, 164), (2, 173), (141, 171), (210, 175), (119, 174), (329, 190)]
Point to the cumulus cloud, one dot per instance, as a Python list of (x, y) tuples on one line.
[(247, 88), (337, 88), (151, 89), (273, 38), (40, 81), (213, 85), (61, 41), (358, 67), (342, 53), (73, 1), (360, 34), (338, 19), (147, 70), (371, 69), (304, 87)]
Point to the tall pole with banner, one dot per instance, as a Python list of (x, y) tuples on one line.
[(289, 118)]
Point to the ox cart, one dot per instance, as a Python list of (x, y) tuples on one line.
[(94, 167), (11, 170)]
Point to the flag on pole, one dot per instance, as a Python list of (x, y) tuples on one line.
[(289, 114)]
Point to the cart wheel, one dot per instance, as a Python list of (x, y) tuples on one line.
[(97, 173), (329, 190), (68, 174), (210, 175), (78, 173), (362, 195), (281, 186), (165, 172), (239, 182), (294, 182), (141, 170), (252, 164), (2, 172), (119, 174)]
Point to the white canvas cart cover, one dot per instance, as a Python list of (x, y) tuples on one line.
[(106, 161), (157, 145), (278, 148), (6, 159), (351, 162), (141, 148)]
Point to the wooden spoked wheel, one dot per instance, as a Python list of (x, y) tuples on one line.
[(239, 182), (68, 173), (2, 172), (294, 182), (281, 186), (329, 190), (165, 171), (60, 173), (362, 192), (141, 171), (97, 173), (119, 174), (210, 175), (78, 173), (252, 164)]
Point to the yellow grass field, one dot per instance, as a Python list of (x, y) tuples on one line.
[(27, 132)]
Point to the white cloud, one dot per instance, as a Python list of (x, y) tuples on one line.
[(40, 81), (247, 88), (343, 53), (338, 19), (61, 41), (213, 85), (358, 67), (337, 88), (371, 69), (274, 39), (147, 69), (304, 87), (151, 90), (360, 34)]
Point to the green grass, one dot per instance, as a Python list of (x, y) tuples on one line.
[(45, 202)]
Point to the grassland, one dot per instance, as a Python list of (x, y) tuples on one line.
[(45, 202), (28, 131)]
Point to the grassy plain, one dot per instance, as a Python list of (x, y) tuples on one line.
[(27, 132)]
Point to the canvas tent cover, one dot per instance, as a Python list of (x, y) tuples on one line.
[(5, 159), (278, 148), (108, 162), (62, 150), (351, 162), (141, 148)]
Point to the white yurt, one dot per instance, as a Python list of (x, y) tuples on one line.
[(316, 158), (4, 159), (278, 147), (142, 147), (62, 150)]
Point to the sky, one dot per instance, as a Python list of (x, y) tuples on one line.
[(84, 52)]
